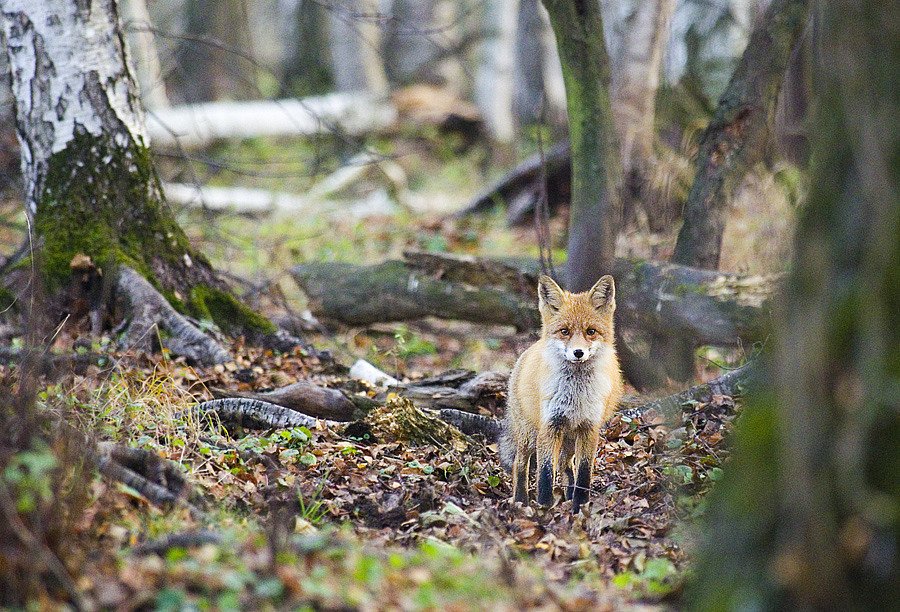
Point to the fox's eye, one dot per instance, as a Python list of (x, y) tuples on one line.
[(591, 331), (564, 331)]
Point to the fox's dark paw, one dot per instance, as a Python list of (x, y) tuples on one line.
[(570, 492)]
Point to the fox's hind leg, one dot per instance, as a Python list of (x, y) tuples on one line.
[(524, 457)]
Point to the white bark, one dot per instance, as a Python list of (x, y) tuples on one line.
[(142, 51), (494, 81), (197, 125), (356, 47), (637, 76), (68, 74)]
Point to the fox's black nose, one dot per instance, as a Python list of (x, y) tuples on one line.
[(578, 353)]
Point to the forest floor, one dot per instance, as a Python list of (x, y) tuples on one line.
[(319, 518)]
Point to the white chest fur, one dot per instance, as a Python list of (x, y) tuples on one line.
[(577, 392)]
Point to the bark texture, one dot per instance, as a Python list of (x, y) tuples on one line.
[(806, 515), (596, 171), (739, 133), (216, 60)]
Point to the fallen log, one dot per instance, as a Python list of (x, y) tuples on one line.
[(519, 189), (704, 306), (198, 125)]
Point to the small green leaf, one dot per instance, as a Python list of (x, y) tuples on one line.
[(308, 459)]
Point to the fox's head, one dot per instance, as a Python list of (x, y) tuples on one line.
[(577, 326)]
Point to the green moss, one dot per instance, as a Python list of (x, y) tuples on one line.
[(103, 200), (227, 312)]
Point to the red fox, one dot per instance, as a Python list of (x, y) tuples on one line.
[(563, 388)]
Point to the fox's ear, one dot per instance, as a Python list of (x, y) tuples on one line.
[(549, 293), (603, 293)]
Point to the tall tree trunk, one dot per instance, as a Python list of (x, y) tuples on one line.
[(90, 186), (495, 76), (551, 73), (216, 60), (739, 133), (634, 86), (596, 172), (308, 70), (807, 514), (528, 86), (356, 53), (414, 41), (142, 43)]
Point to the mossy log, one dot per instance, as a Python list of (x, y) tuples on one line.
[(705, 306)]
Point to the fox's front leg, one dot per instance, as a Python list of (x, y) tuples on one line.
[(586, 443), (565, 464), (549, 445)]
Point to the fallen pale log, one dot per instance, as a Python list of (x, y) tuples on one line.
[(187, 539), (198, 125), (706, 307)]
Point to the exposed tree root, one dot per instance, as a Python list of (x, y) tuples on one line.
[(149, 309), (258, 414), (158, 480), (671, 406), (188, 539)]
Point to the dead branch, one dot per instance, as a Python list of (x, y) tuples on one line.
[(670, 407), (471, 424), (304, 397), (188, 539), (520, 188), (198, 125), (258, 414)]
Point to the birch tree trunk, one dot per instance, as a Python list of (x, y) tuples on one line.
[(739, 133), (356, 54), (494, 80), (90, 187), (806, 517), (596, 172), (634, 84)]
